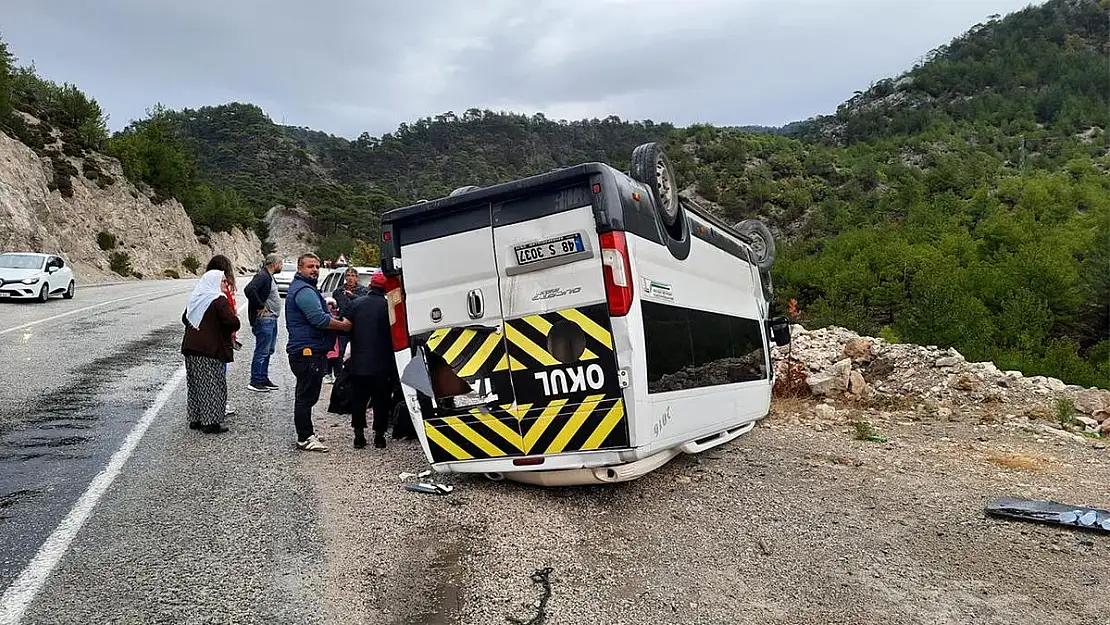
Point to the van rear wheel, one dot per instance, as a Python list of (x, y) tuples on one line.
[(761, 241), (651, 166)]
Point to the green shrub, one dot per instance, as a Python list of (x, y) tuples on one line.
[(171, 273), (120, 262), (191, 263), (106, 240)]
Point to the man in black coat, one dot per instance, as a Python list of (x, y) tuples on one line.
[(371, 368)]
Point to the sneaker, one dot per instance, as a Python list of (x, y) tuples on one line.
[(258, 387), (214, 428), (379, 440), (270, 385), (329, 379), (228, 411), (312, 444), (360, 439)]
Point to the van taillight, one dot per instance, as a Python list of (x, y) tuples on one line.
[(618, 272), (395, 298)]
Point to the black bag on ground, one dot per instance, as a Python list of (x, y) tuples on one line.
[(340, 402), (402, 420)]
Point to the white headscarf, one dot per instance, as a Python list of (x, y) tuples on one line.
[(204, 293)]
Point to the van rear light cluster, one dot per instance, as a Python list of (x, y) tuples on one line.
[(618, 273), (395, 299)]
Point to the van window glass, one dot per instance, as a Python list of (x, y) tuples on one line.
[(688, 348)]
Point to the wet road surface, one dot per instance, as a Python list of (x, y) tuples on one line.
[(75, 376)]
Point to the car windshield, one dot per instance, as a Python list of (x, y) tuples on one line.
[(289, 267), (21, 261)]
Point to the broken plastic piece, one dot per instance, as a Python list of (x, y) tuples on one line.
[(1050, 512), (431, 489), (406, 475)]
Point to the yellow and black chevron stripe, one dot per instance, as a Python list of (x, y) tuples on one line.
[(475, 352), (552, 428), (537, 422)]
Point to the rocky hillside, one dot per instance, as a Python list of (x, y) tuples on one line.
[(118, 207), (104, 226), (866, 382)]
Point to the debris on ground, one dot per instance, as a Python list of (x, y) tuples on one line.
[(408, 476), (541, 577), (430, 488), (1050, 512)]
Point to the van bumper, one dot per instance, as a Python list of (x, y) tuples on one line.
[(567, 469)]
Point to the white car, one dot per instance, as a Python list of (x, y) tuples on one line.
[(284, 277), (29, 275), (331, 279)]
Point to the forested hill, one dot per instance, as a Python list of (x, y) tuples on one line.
[(350, 183), (1039, 72)]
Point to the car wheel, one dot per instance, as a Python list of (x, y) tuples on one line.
[(44, 293), (761, 241), (70, 291), (651, 166)]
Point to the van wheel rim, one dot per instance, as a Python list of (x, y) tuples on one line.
[(663, 181)]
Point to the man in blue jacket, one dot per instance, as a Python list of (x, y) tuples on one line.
[(311, 330)]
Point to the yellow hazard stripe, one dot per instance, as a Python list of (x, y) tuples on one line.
[(571, 428), (455, 350), (477, 439), (589, 326), (508, 361), (445, 443), (612, 418), (499, 427), (540, 426), (437, 337), (474, 365), (530, 348)]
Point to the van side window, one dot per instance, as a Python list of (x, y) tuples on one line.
[(688, 348)]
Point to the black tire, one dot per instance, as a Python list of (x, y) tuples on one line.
[(760, 240), (70, 290), (651, 166), (467, 189), (44, 293)]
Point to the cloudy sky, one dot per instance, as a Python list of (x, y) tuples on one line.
[(348, 66)]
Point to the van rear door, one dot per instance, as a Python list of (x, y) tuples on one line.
[(453, 311), (557, 326)]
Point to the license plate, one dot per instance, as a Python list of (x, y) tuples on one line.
[(551, 248)]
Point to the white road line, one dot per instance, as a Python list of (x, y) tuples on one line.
[(18, 597), (80, 310)]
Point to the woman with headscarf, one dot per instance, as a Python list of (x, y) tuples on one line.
[(223, 263), (210, 322)]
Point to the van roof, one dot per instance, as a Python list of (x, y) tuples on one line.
[(538, 181)]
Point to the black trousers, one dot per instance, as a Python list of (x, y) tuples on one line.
[(375, 391), (309, 371)]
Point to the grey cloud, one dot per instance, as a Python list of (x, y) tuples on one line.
[(347, 66)]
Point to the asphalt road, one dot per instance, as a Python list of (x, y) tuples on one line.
[(784, 525)]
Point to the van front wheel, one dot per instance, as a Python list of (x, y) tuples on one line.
[(761, 241), (651, 166)]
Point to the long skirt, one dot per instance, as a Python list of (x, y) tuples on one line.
[(206, 386)]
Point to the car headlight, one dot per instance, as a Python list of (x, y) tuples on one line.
[(29, 280)]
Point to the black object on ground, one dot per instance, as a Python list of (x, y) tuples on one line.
[(541, 576), (1051, 512)]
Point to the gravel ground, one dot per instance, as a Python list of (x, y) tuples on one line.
[(785, 525)]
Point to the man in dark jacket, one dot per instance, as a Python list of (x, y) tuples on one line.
[(372, 370), (311, 330), (263, 310)]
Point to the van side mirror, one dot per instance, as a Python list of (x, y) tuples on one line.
[(780, 331)]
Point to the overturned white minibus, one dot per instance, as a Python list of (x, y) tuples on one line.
[(578, 326)]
